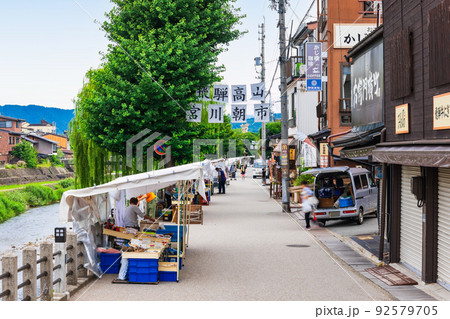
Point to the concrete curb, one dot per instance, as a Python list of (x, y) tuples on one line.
[(72, 290)]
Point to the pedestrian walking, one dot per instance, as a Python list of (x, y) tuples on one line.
[(233, 172), (243, 170), (222, 179), (307, 208)]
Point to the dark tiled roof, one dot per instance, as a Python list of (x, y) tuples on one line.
[(10, 118)]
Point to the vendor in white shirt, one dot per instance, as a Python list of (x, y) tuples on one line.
[(132, 212)]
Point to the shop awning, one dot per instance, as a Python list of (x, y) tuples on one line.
[(416, 155)]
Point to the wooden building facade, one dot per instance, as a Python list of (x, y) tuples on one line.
[(417, 137)]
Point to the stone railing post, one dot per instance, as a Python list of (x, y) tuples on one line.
[(29, 257), (46, 250), (9, 265), (72, 277)]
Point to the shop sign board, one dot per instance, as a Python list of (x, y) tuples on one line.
[(402, 119), (367, 87), (313, 66), (309, 155), (284, 154), (441, 112), (323, 154), (346, 35), (292, 154)]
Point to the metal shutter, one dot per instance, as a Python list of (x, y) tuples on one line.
[(410, 223), (443, 264)]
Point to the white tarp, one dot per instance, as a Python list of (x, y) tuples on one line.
[(138, 184)]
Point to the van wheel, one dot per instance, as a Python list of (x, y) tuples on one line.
[(360, 218), (322, 223)]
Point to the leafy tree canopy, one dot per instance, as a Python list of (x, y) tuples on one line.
[(163, 52), (25, 151)]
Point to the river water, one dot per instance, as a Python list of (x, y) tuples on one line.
[(33, 226)]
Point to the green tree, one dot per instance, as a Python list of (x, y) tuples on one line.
[(25, 151), (163, 52)]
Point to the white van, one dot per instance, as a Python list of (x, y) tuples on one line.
[(343, 193), (257, 168)]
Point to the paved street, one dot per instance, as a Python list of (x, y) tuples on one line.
[(248, 250)]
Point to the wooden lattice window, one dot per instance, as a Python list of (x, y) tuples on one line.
[(439, 46), (401, 64)]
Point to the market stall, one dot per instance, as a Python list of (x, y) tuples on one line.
[(147, 251)]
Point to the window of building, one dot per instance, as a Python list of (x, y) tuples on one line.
[(11, 140), (293, 111), (5, 124), (346, 120), (17, 140), (346, 88), (368, 7), (54, 148), (17, 124)]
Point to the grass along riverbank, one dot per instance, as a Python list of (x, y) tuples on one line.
[(13, 203), (10, 187)]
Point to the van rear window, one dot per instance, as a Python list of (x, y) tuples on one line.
[(357, 181)]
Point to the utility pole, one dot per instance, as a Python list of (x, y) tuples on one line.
[(263, 80), (284, 109)]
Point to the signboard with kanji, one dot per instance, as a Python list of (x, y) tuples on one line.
[(441, 112), (323, 155), (313, 66), (346, 35), (215, 113), (402, 119), (239, 93), (257, 91), (238, 113), (194, 113), (262, 113), (220, 93), (203, 94)]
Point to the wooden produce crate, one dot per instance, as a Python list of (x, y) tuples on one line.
[(326, 202)]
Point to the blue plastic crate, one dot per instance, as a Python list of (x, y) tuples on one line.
[(108, 269), (143, 263), (167, 276), (171, 229), (110, 263), (345, 202), (148, 277)]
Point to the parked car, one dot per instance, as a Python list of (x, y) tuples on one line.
[(344, 193), (257, 168)]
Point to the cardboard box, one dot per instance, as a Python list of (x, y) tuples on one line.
[(326, 202)]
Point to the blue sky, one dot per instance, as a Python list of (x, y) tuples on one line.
[(47, 46)]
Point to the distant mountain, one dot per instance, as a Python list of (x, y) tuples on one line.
[(33, 114), (253, 127)]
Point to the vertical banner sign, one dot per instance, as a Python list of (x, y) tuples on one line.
[(239, 93), (203, 94), (238, 113), (257, 91), (194, 113), (323, 154), (220, 93), (309, 154), (313, 66), (262, 113), (284, 159), (215, 113)]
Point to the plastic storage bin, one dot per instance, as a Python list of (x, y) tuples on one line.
[(167, 276), (110, 263), (143, 270), (345, 202), (171, 229)]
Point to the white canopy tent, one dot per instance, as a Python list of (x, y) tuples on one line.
[(139, 184)]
